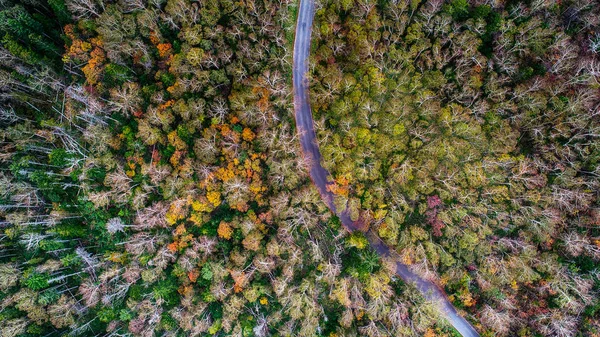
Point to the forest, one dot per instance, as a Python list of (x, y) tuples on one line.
[(152, 182)]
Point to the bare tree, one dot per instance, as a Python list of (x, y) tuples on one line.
[(498, 321), (85, 9)]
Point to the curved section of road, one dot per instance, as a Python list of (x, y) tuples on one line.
[(319, 175)]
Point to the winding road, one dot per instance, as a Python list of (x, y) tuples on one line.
[(319, 175)]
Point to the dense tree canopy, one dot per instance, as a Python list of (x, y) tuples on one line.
[(151, 182), (468, 133)]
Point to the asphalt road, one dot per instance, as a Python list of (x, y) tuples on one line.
[(319, 176)]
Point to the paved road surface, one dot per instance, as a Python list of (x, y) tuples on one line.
[(319, 176)]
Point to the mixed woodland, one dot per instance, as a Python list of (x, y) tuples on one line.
[(151, 182), (466, 134)]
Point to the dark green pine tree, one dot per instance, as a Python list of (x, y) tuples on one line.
[(32, 31)]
